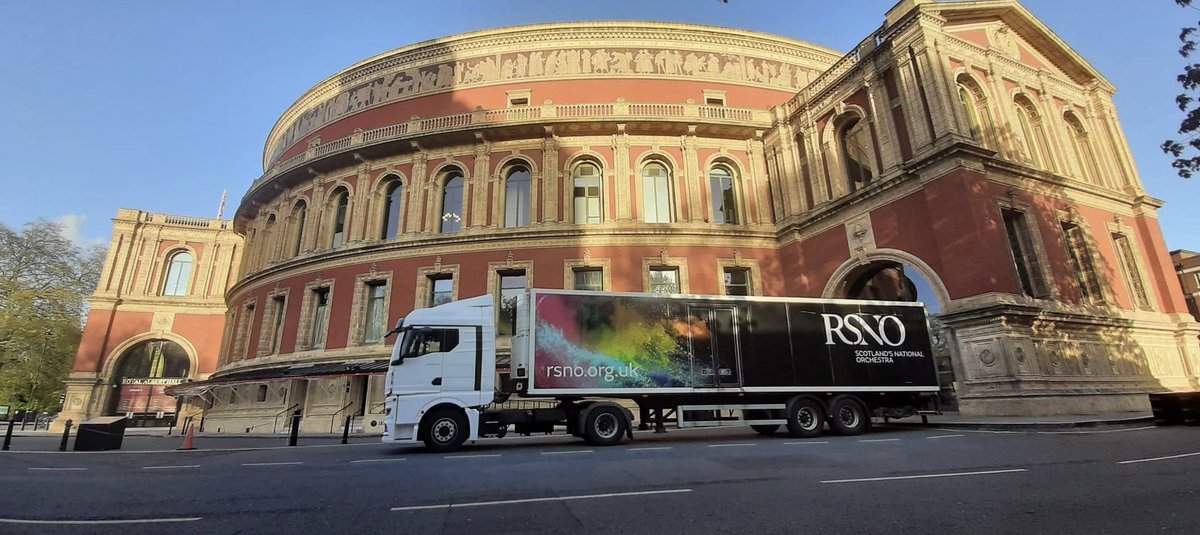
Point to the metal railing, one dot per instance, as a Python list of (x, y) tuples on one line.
[(333, 417), (275, 428)]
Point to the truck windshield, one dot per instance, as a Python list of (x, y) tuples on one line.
[(423, 341)]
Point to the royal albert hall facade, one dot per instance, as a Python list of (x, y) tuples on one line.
[(962, 154)]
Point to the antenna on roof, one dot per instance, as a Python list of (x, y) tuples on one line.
[(221, 208)]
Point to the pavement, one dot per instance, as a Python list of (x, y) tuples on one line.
[(1119, 479), (145, 439)]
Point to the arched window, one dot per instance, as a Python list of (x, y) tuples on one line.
[(974, 106), (516, 197), (299, 213), (1032, 136), (393, 195), (587, 184), (1084, 156), (179, 272), (341, 201), (858, 153), (656, 193), (724, 198), (268, 246), (452, 202)]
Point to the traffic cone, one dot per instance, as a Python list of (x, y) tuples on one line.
[(187, 439)]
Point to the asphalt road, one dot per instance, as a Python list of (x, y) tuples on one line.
[(1127, 481)]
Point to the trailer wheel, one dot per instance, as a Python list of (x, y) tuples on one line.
[(444, 430), (604, 426), (805, 417), (848, 416)]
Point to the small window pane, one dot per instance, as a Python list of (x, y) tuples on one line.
[(587, 186), (391, 210), (441, 291), (511, 286), (656, 193), (723, 200), (277, 325), (737, 281), (298, 216), (320, 317), (516, 198), (664, 281), (339, 220), (376, 313), (591, 280)]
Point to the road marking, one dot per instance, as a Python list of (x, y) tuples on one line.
[(1180, 456), (944, 436), (803, 442), (650, 449), (1095, 432), (273, 464), (928, 476), (565, 452), (880, 440), (59, 469), (115, 521), (732, 445), (378, 460), (984, 431), (532, 500), (169, 467), (475, 456)]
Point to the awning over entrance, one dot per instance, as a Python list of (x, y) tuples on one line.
[(280, 373)]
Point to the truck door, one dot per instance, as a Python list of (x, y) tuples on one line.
[(714, 345), (424, 354)]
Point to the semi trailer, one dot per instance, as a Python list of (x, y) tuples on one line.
[(580, 360)]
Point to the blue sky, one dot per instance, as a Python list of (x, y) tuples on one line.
[(162, 105)]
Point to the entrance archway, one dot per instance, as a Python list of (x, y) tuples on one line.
[(896, 276), (140, 376)]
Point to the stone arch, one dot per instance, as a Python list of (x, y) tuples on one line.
[(658, 156), (379, 208), (439, 172), (512, 160), (834, 287), (113, 356), (164, 266)]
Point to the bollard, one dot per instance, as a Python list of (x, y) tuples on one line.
[(295, 428), (346, 430), (8, 435), (62, 446)]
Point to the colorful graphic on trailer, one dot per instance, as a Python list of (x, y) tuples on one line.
[(599, 341)]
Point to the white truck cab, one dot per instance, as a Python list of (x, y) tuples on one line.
[(442, 371)]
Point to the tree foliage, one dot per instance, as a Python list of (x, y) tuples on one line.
[(44, 282), (1185, 149)]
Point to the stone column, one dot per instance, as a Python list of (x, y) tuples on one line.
[(693, 177), (549, 184)]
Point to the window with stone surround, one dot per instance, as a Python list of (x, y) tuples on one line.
[(436, 285), (393, 209), (376, 312), (179, 273), (1130, 268), (452, 202), (736, 281), (517, 197), (857, 152), (587, 188), (1085, 158), (512, 284), (664, 280), (587, 273), (341, 203), (664, 274), (1025, 257), (441, 290), (369, 307), (320, 321), (296, 221), (278, 313), (1082, 263), (314, 315), (723, 195), (245, 324), (588, 279), (656, 193), (1033, 135)]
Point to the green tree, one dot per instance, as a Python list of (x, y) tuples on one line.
[(1185, 150), (44, 282)]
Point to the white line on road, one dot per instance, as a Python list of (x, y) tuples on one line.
[(927, 476), (59, 469), (1096, 432), (114, 521), (650, 449), (1180, 456), (273, 464), (984, 431), (565, 452), (803, 442), (378, 460), (732, 445), (945, 436), (880, 440), (170, 467), (532, 500), (474, 456)]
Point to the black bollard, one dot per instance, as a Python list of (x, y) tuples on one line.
[(295, 428), (346, 430), (8, 435), (62, 446)]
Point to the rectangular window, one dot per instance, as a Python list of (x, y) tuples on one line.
[(512, 283), (664, 280), (376, 312), (656, 194), (320, 318), (586, 194), (1133, 276), (1020, 241), (280, 306), (247, 325), (1197, 275), (1081, 262), (737, 281), (262, 393), (589, 279), (441, 290)]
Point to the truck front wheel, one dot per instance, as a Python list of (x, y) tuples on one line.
[(847, 416), (805, 417), (444, 430), (604, 426)]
